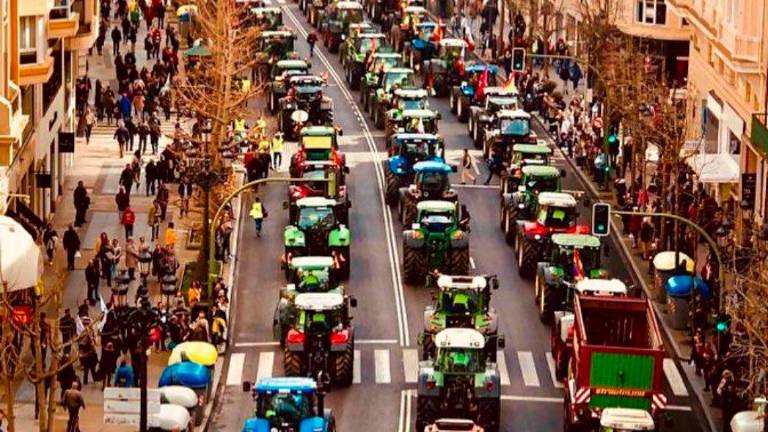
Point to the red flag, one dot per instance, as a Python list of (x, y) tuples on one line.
[(437, 36), (578, 266), (482, 83)]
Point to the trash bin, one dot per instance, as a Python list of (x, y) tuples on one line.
[(664, 267), (679, 290)]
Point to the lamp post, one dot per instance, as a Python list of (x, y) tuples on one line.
[(122, 283), (168, 288), (145, 263), (138, 321)]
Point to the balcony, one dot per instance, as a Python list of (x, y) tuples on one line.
[(759, 133), (742, 47), (63, 21), (13, 124), (35, 72), (88, 25)]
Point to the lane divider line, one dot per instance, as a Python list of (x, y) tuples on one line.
[(356, 373), (235, 369), (411, 365), (501, 364), (383, 376), (266, 365), (551, 366), (528, 368)]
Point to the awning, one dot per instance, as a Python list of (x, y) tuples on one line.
[(715, 168), (19, 256)]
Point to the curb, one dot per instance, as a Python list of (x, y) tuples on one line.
[(629, 262)]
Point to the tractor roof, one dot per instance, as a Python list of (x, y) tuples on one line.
[(312, 262), (286, 385), (419, 113), (432, 166), (360, 25), (411, 92), (415, 137), (577, 241), (499, 91), (541, 171), (315, 202), (317, 131), (371, 35), (601, 286), (319, 301), (453, 42), (265, 9), (348, 5), (627, 419), (532, 149), (460, 338), (436, 206), (292, 64), (427, 24), (461, 282), (479, 67), (275, 33), (557, 199), (379, 54), (415, 9), (516, 113), (399, 69)]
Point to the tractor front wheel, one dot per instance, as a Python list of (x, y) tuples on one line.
[(393, 188), (414, 265), (407, 211), (489, 414), (510, 228), (458, 261), (527, 256), (343, 365), (428, 347), (427, 410), (547, 300), (452, 102), (292, 364), (378, 118)]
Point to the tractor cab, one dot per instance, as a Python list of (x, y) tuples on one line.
[(357, 29), (576, 257), (431, 182), (338, 17), (410, 17), (304, 103), (508, 127), (536, 179), (276, 44), (410, 99), (460, 351), (317, 143), (451, 49), (379, 62), (416, 121), (284, 403), (321, 179), (311, 274), (320, 313), (556, 213), (409, 149), (396, 77), (269, 18), (289, 67), (472, 75), (528, 154)]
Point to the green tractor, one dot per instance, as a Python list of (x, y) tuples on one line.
[(574, 257), (320, 340), (413, 121), (354, 52), (522, 155), (281, 73), (377, 63), (437, 242), (268, 18), (381, 94), (404, 99), (459, 382), (335, 21), (464, 302), (553, 212), (271, 47), (521, 203), (315, 229), (431, 182)]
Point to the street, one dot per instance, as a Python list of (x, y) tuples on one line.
[(389, 315)]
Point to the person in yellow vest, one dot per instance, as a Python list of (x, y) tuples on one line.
[(277, 150), (258, 213), (261, 124), (240, 126), (264, 144)]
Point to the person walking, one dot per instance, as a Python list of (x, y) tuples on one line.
[(50, 238), (162, 199), (122, 135), (92, 279), (117, 37), (258, 213), (185, 193), (143, 131), (126, 179), (68, 329), (90, 121), (73, 402), (278, 144), (154, 133), (89, 359), (107, 363), (82, 201), (129, 218), (131, 257), (495, 164), (153, 219), (123, 201), (150, 176), (72, 246), (466, 167), (312, 40), (169, 237)]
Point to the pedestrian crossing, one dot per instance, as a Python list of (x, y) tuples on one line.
[(273, 2), (523, 369)]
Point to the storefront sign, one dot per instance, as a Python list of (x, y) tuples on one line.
[(748, 190), (66, 142)]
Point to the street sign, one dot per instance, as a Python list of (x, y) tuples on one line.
[(122, 406), (748, 190), (601, 219)]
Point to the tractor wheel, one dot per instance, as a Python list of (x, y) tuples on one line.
[(470, 125), (427, 411), (527, 256), (510, 228), (393, 188), (363, 91), (537, 283), (452, 102), (561, 366), (354, 84), (547, 300), (486, 149), (414, 265), (458, 261), (346, 264), (292, 364), (343, 365), (272, 103), (476, 137), (489, 414), (378, 118), (502, 216), (428, 348), (461, 110), (407, 212)]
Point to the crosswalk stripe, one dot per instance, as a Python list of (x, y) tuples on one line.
[(235, 370), (267, 2), (674, 378), (551, 366), (266, 364), (356, 374), (280, 1), (411, 365), (383, 375), (528, 368), (501, 363)]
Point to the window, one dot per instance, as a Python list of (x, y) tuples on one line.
[(28, 39), (60, 9), (651, 12)]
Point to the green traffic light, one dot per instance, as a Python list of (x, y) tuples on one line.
[(721, 326)]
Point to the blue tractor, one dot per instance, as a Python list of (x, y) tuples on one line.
[(288, 404), (405, 151), (466, 94), (431, 182)]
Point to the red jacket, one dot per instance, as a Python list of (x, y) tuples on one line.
[(129, 217)]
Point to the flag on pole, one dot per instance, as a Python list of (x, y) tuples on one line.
[(437, 36), (578, 266), (482, 83), (509, 84)]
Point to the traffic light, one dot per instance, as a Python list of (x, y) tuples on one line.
[(601, 219), (518, 59), (722, 322)]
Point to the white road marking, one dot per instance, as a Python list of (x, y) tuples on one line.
[(357, 342), (678, 408), (267, 2), (409, 395), (518, 398), (528, 368), (255, 344), (472, 263), (674, 378), (411, 365), (501, 364), (383, 375), (551, 366), (376, 341), (235, 370), (266, 364), (281, 2), (356, 375), (402, 421), (475, 186)]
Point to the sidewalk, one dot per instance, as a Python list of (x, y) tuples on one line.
[(680, 340)]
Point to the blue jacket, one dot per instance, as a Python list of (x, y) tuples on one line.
[(125, 105), (125, 374)]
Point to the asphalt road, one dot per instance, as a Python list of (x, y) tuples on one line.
[(389, 313)]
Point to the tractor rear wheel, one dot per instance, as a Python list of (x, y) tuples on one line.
[(510, 228), (452, 101), (547, 300), (427, 411), (414, 265), (378, 118), (343, 365), (503, 217), (461, 110), (489, 414), (407, 211), (393, 188), (427, 347), (527, 256), (537, 283), (458, 261), (292, 364)]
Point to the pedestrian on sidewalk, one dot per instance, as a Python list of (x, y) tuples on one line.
[(122, 135), (143, 131), (149, 46), (117, 36), (71, 243), (50, 239), (162, 199), (126, 179), (185, 193), (312, 40), (153, 219), (123, 201), (125, 105), (82, 201), (278, 144), (160, 14), (89, 359), (107, 363), (92, 279), (73, 401), (150, 176), (169, 237), (68, 330), (131, 257), (258, 213), (108, 104), (129, 218), (154, 133), (130, 124), (466, 167), (495, 165), (90, 121)]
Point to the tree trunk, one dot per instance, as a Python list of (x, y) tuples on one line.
[(9, 398)]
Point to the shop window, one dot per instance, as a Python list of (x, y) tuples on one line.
[(28, 40), (711, 133), (651, 12), (52, 86)]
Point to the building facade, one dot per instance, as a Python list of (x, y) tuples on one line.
[(44, 46)]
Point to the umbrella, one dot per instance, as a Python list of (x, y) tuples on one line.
[(198, 51), (19, 256), (186, 9)]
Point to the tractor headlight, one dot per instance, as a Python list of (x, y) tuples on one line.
[(521, 206), (457, 235), (343, 37), (416, 234), (537, 237)]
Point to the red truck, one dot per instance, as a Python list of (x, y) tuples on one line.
[(615, 355)]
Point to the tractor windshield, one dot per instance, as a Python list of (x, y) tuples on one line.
[(433, 181), (412, 104), (316, 218), (414, 150), (437, 222), (453, 51), (286, 408), (515, 126), (314, 280), (589, 257), (381, 63), (425, 32), (350, 15), (460, 302), (326, 320), (402, 79), (557, 217), (543, 184), (366, 44), (460, 360)]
